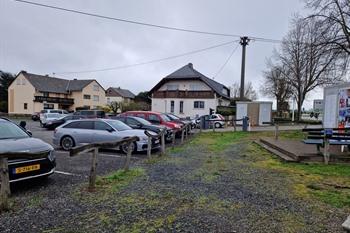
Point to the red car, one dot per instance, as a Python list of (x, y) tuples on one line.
[(155, 118)]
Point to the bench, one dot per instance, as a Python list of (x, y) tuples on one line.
[(326, 137)]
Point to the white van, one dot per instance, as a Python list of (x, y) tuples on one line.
[(59, 111)]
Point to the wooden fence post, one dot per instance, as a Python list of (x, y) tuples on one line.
[(200, 126), (92, 177), (149, 147), (234, 124), (128, 157), (174, 134), (162, 141), (276, 131), (326, 151), (182, 135), (5, 184)]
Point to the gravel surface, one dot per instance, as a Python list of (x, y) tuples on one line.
[(190, 190)]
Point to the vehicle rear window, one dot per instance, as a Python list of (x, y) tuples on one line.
[(87, 113), (11, 131), (52, 115), (56, 111), (43, 111), (80, 125)]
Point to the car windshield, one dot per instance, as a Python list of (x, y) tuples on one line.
[(164, 117), (118, 125), (142, 121), (11, 131)]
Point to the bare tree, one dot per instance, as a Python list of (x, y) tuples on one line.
[(276, 85), (306, 63), (249, 92), (334, 16), (115, 106)]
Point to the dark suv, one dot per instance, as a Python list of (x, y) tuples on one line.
[(14, 138), (140, 123), (91, 113)]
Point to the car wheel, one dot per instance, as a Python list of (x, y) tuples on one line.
[(67, 142), (41, 125), (125, 148), (217, 125)]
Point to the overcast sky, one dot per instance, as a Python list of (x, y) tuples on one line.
[(43, 41)]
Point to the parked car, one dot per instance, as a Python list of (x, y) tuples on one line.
[(36, 116), (140, 123), (217, 120), (179, 120), (48, 117), (59, 111), (77, 132), (155, 118), (54, 123), (13, 138), (91, 113)]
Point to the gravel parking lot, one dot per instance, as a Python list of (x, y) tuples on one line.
[(70, 170)]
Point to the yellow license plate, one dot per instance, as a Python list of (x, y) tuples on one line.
[(27, 168)]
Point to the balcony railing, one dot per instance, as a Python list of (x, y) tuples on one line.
[(184, 94), (58, 100)]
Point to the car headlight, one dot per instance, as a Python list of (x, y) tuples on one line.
[(51, 156), (177, 126)]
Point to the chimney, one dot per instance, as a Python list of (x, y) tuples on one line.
[(75, 79), (190, 65)]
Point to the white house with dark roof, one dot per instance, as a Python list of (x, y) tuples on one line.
[(30, 93), (188, 93), (117, 94)]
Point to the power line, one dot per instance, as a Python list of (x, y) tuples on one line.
[(147, 62), (143, 23), (225, 63)]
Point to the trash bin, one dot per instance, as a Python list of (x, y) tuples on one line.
[(245, 123), (205, 122)]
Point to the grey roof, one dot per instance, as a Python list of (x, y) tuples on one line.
[(188, 72), (124, 92), (45, 83)]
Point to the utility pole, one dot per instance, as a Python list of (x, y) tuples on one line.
[(244, 42)]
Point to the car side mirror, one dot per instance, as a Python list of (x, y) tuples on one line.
[(139, 125), (110, 130), (30, 133)]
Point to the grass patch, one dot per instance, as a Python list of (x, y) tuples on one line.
[(219, 141), (108, 186), (328, 183), (211, 168), (119, 179)]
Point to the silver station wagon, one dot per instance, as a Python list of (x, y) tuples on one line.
[(78, 132)]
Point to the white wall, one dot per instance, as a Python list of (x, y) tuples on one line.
[(163, 105)]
